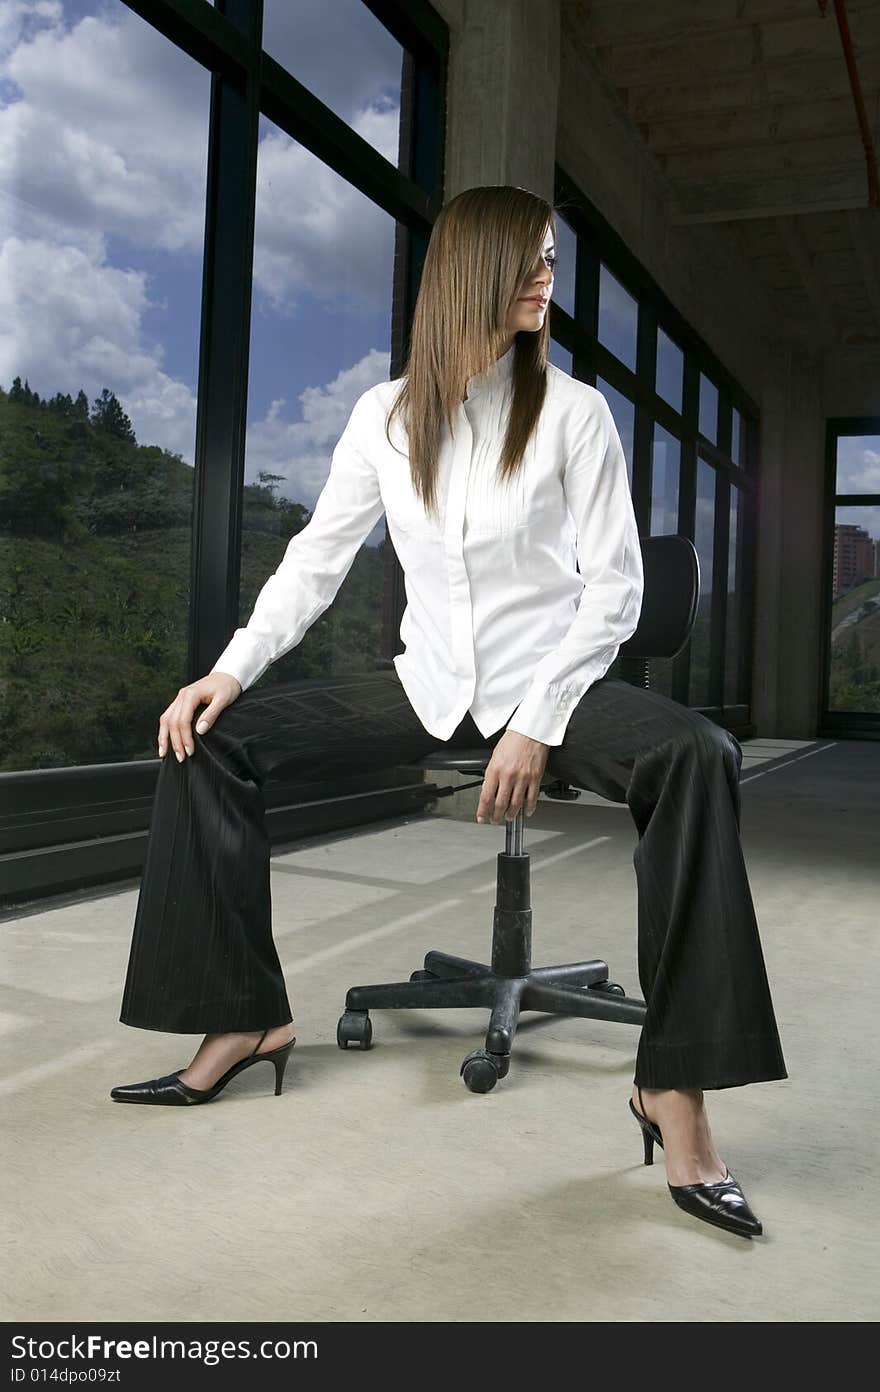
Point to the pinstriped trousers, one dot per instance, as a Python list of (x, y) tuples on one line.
[(202, 956)]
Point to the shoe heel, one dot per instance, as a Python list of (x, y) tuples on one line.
[(648, 1140), (280, 1062), (649, 1131)]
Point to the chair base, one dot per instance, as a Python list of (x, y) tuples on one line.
[(506, 987)]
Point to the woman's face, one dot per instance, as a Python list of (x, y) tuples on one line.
[(528, 310)]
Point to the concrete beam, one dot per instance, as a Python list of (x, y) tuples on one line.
[(773, 196), (732, 94), (864, 231), (816, 292)]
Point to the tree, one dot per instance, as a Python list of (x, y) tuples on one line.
[(109, 415)]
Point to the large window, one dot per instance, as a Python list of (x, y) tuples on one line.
[(851, 677), (102, 250), (212, 241), (688, 431), (320, 335)]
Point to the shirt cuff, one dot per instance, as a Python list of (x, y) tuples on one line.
[(544, 712), (244, 658)]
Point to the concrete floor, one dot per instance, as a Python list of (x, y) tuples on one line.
[(376, 1187)]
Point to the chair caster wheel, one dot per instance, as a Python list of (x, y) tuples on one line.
[(355, 1027), (424, 976), (609, 988), (481, 1070)]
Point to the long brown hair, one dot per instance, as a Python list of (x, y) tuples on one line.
[(484, 243)]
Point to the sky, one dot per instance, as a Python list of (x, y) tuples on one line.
[(103, 153)]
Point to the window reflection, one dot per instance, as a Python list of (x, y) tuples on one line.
[(566, 262), (343, 54), (736, 438), (704, 535), (561, 358), (665, 482), (618, 318), (104, 247), (320, 336), (708, 409), (665, 475), (733, 675), (670, 370), (624, 412)]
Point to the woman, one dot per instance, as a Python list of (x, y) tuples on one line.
[(506, 493)]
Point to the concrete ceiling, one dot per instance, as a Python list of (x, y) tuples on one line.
[(746, 107)]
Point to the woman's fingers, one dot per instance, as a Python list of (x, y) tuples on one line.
[(210, 713), (164, 731), (178, 728), (215, 692), (508, 799)]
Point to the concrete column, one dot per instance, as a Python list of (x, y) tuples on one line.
[(789, 581), (503, 93)]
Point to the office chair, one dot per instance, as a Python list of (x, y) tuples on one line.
[(510, 984)]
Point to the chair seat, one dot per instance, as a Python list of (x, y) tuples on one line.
[(462, 759)]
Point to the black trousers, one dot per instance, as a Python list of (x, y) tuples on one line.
[(202, 954)]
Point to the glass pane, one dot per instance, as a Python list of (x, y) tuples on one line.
[(665, 480), (708, 409), (736, 437), (665, 475), (624, 412), (854, 677), (561, 358), (858, 464), (670, 370), (704, 539), (733, 677), (102, 242), (320, 335), (564, 270), (618, 318), (345, 57)]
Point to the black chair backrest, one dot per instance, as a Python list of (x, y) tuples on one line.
[(669, 604)]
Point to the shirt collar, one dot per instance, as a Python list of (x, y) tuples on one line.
[(499, 374)]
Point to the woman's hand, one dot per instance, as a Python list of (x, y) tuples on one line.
[(216, 691), (513, 777)]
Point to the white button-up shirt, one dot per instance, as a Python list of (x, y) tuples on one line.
[(498, 621)]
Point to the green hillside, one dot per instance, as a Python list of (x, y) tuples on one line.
[(854, 683), (95, 576)]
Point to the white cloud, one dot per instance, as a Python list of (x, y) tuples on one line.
[(315, 232), (300, 450), (19, 18), (109, 133), (103, 145), (71, 322), (858, 466)]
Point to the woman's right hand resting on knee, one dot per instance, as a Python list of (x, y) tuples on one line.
[(215, 691)]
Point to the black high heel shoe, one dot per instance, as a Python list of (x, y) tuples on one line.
[(170, 1091), (722, 1203)]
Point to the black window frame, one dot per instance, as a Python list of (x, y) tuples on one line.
[(831, 723), (597, 241), (72, 828)]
